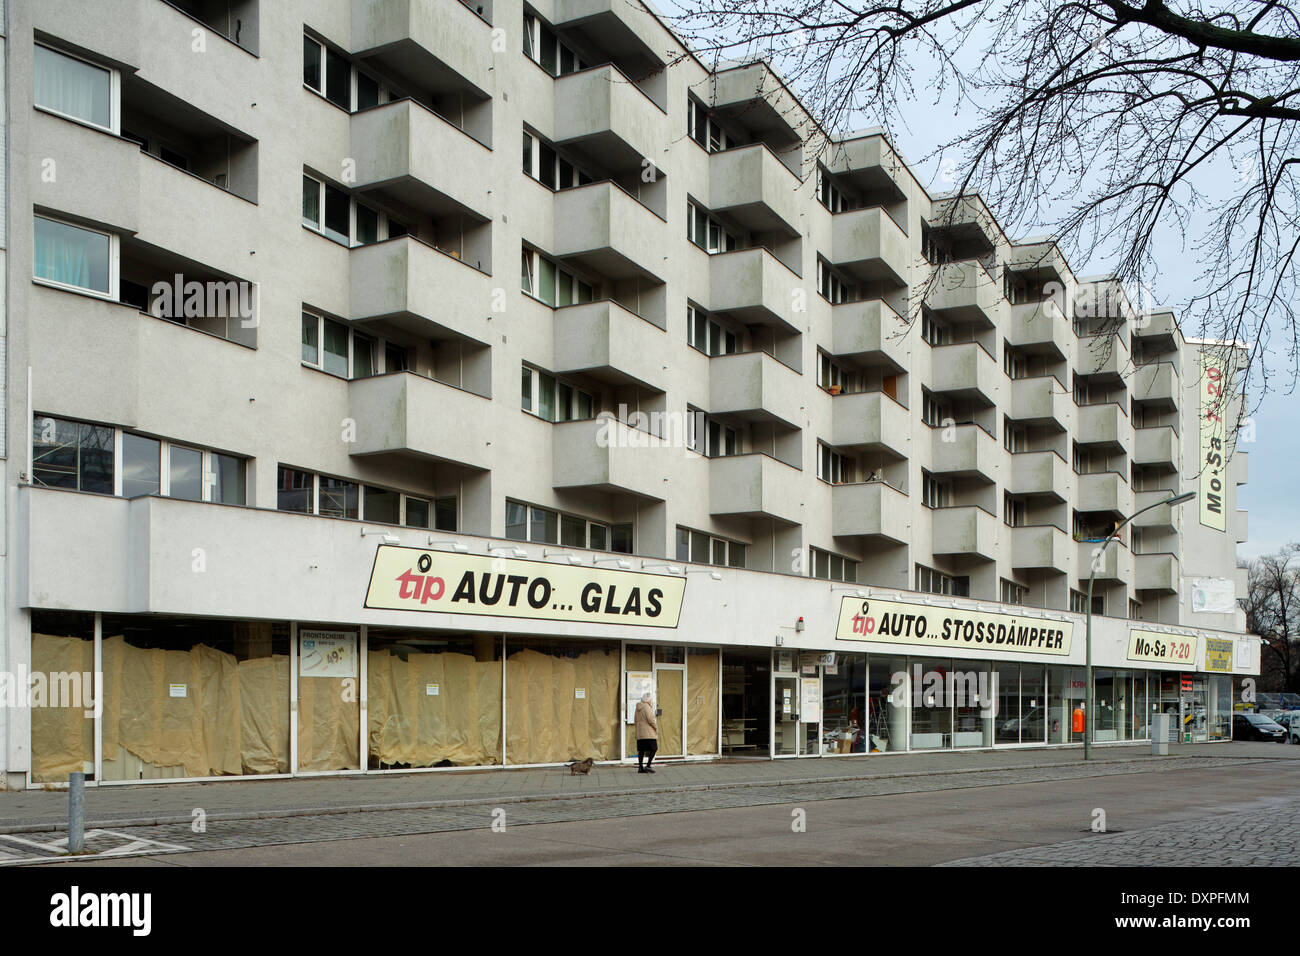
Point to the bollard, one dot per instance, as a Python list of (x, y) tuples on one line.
[(1159, 734), (76, 812)]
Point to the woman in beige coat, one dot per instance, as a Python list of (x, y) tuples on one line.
[(647, 735)]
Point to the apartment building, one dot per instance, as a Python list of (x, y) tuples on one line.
[(405, 384)]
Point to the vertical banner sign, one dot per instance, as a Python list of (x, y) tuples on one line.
[(1215, 389)]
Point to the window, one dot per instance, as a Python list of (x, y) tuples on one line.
[(338, 498), (833, 466), (934, 331), (543, 279), (935, 582), (72, 455), (75, 88), (544, 526), (1134, 610), (830, 195), (327, 72), (547, 50), (1014, 363), (1079, 602), (831, 285), (1013, 510), (1015, 438), (309, 493), (336, 215), (722, 440), (934, 492), (141, 469), (333, 347), (696, 547), (544, 164), (831, 567), (835, 377), (704, 130), (708, 335), (553, 399), (707, 232), (934, 412), (1012, 593), (74, 257)]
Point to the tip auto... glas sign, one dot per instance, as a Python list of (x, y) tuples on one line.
[(413, 579)]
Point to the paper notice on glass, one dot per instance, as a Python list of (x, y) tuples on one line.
[(327, 653)]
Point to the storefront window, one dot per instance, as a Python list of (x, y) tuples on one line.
[(434, 699), (973, 704), (844, 705), (1141, 710), (562, 700), (931, 709), (1219, 700), (1066, 694), (63, 674), (888, 704), (1033, 704), (1106, 705), (702, 692)]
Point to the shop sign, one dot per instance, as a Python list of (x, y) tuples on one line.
[(1218, 655), (1215, 386), (327, 653), (413, 579), (1161, 648), (893, 622)]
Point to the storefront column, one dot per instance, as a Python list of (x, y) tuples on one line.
[(293, 698), (363, 723), (99, 697)]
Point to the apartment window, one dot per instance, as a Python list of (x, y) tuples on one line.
[(1012, 593), (830, 195), (542, 163), (544, 526), (543, 47), (75, 88), (333, 347), (1134, 610), (1015, 438), (708, 335), (552, 399), (1079, 602), (934, 412), (73, 455), (831, 567), (74, 257), (336, 215), (833, 466), (722, 440), (696, 547), (934, 492), (704, 130), (936, 582), (1013, 510), (543, 279), (830, 285), (327, 72), (832, 375), (309, 493), (933, 330), (141, 466), (1014, 363), (707, 232)]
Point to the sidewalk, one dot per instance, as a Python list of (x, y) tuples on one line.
[(163, 803)]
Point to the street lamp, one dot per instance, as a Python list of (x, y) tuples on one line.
[(1087, 674)]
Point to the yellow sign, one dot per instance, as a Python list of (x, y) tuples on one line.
[(413, 579), (893, 622), (1215, 390), (1162, 648), (1218, 655)]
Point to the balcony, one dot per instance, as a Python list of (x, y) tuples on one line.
[(870, 421), (608, 231), (605, 455), (405, 414), (1105, 424), (870, 509), (1040, 263), (964, 292), (755, 189), (1040, 328), (420, 159), (964, 371), (1040, 548), (1042, 400), (756, 387), (754, 286), (606, 115), (1161, 518), (624, 28), (1159, 329), (870, 165), (755, 486), (965, 530), (1115, 564), (607, 342), (870, 332), (1241, 523), (972, 452), (1103, 356), (1105, 491), (1041, 474), (1156, 384), (1156, 572), (443, 42), (870, 246), (756, 98), (1156, 447), (419, 289)]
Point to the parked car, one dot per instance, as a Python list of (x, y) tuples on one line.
[(1290, 722), (1257, 727)]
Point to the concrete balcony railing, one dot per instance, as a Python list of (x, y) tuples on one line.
[(870, 332), (1104, 491), (870, 245), (1041, 474), (870, 421), (1040, 327), (972, 452), (870, 509), (966, 371), (607, 115), (605, 455), (1161, 518), (1104, 424), (1042, 400), (616, 21), (609, 231), (1157, 384), (450, 33), (1156, 447), (755, 486), (756, 386), (1156, 572), (607, 342), (964, 291), (965, 530), (755, 189), (1155, 325), (1104, 356), (1041, 548), (1242, 524), (404, 140), (1115, 563), (753, 285), (420, 289), (402, 413)]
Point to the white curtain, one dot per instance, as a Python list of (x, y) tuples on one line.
[(73, 87)]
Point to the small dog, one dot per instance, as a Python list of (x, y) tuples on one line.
[(580, 766)]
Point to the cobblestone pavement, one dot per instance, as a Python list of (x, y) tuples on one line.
[(342, 823), (1262, 837)]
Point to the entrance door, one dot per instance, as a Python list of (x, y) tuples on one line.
[(785, 712), (669, 699)]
